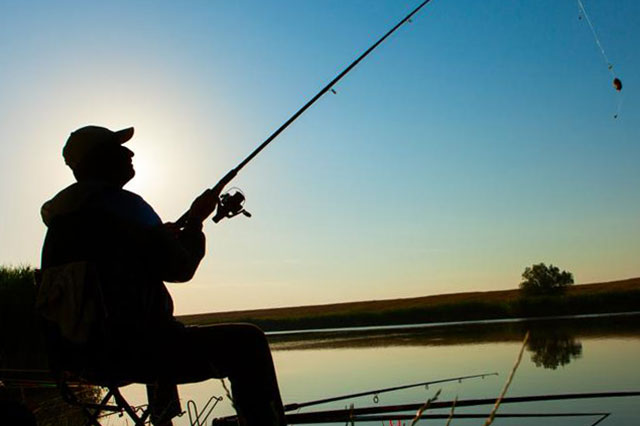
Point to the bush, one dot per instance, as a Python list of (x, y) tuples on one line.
[(21, 344), (17, 292), (541, 279)]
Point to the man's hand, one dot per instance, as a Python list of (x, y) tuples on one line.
[(204, 205), (172, 229)]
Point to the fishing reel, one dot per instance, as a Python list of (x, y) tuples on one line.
[(231, 204)]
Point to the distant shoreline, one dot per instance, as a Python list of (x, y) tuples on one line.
[(456, 323), (583, 299)]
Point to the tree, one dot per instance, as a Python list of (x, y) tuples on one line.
[(552, 349), (541, 279)]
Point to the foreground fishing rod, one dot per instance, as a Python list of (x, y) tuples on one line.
[(297, 406), (341, 415), (601, 416), (366, 413), (231, 204)]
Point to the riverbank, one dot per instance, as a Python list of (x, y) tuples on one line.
[(608, 297)]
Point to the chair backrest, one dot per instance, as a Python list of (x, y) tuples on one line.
[(71, 309), (70, 297)]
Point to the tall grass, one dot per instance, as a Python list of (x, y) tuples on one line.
[(17, 291), (22, 347), (21, 344), (494, 410)]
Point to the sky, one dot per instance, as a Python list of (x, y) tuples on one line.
[(477, 140)]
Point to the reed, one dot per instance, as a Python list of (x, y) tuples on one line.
[(453, 407), (425, 407), (493, 412)]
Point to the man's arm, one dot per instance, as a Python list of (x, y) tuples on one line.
[(179, 252), (183, 249)]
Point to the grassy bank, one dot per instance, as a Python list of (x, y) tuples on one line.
[(615, 296), (22, 348), (21, 344)]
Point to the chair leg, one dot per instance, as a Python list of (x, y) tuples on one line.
[(122, 403), (92, 411), (92, 417)]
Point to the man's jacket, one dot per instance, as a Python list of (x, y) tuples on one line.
[(126, 251)]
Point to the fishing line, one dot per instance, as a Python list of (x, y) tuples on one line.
[(595, 37), (617, 83)]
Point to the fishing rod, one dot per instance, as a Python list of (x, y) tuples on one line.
[(296, 406), (389, 418), (342, 414), (296, 419), (231, 204), (349, 413)]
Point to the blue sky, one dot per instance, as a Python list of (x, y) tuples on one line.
[(477, 140)]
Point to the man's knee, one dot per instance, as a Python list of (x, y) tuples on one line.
[(250, 335), (236, 343)]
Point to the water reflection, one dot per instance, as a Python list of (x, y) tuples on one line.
[(553, 343), (551, 349), (598, 353)]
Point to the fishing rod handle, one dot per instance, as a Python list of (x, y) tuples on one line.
[(182, 221)]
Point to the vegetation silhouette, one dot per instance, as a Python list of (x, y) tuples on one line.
[(541, 279), (610, 297), (22, 349), (21, 345)]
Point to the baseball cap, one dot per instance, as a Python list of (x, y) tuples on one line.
[(88, 139)]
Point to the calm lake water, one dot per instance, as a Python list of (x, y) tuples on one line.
[(563, 356)]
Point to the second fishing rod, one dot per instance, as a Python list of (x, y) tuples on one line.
[(231, 204)]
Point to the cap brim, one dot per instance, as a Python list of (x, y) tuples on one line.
[(124, 135)]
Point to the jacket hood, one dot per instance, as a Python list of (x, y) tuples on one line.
[(71, 199)]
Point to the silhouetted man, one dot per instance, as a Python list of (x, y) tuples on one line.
[(108, 254)]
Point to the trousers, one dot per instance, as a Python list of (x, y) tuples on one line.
[(239, 352)]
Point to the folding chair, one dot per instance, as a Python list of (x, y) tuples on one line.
[(73, 365), (69, 385)]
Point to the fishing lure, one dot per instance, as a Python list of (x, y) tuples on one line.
[(617, 83)]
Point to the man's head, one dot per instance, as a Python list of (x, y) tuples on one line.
[(96, 153)]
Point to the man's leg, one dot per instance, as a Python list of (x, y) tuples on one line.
[(164, 402), (241, 353)]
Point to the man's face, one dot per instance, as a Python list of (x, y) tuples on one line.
[(123, 165), (114, 164)]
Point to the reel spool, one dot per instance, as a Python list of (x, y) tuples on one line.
[(231, 204)]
